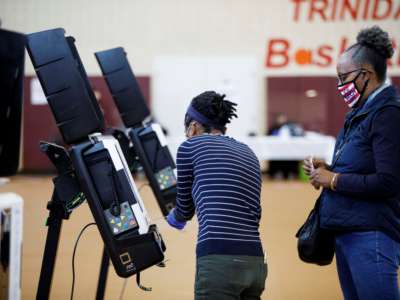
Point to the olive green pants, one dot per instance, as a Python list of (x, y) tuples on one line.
[(220, 277)]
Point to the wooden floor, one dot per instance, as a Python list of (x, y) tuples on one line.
[(285, 206)]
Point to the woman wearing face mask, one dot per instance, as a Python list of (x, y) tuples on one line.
[(360, 201)]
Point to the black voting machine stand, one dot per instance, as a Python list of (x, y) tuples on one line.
[(149, 142), (92, 169)]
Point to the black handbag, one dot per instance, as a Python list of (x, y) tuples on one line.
[(315, 245)]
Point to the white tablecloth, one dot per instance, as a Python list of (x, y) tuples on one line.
[(281, 148)]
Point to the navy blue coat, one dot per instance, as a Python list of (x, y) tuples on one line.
[(367, 155)]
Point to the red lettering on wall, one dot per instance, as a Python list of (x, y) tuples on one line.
[(324, 52), (343, 45), (318, 7), (334, 10), (398, 60), (377, 5), (344, 10), (281, 53), (366, 9), (277, 50), (352, 8), (392, 62), (397, 15), (297, 4)]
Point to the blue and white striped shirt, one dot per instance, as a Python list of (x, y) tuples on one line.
[(219, 179)]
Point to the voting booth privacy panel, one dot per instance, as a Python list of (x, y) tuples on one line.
[(12, 59), (65, 84), (149, 142), (95, 163), (123, 86)]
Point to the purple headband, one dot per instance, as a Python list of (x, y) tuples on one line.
[(197, 116)]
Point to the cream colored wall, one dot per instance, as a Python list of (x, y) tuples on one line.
[(148, 29)]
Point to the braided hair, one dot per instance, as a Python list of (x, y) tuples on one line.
[(213, 106), (373, 47)]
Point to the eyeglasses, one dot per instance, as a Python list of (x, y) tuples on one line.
[(342, 76)]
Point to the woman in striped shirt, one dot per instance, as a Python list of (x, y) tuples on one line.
[(219, 179)]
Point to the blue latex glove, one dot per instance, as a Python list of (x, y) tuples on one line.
[(171, 219)]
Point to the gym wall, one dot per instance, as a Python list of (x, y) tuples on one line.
[(287, 40)]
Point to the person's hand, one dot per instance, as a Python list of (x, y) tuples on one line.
[(321, 177), (310, 164), (172, 220)]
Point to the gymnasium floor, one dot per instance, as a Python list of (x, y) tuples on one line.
[(285, 206)]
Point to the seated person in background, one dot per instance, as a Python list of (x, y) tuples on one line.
[(286, 169), (280, 120)]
